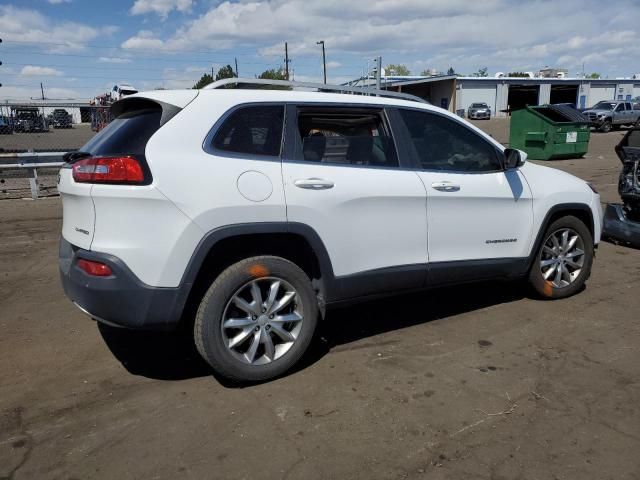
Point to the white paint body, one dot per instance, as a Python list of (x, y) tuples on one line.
[(372, 218)]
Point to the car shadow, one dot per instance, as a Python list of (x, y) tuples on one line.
[(173, 356), (158, 355)]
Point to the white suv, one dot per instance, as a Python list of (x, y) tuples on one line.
[(257, 209)]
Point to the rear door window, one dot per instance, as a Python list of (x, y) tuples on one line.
[(345, 136), (251, 130)]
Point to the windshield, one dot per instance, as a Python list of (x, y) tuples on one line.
[(26, 114), (127, 134), (478, 105), (604, 106), (128, 92)]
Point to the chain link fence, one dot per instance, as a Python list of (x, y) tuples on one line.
[(34, 128)]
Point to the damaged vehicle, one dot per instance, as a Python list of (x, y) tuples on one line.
[(622, 221)]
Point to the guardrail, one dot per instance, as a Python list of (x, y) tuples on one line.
[(27, 164)]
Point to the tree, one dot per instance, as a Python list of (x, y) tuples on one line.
[(204, 80), (274, 74), (451, 71), (481, 72), (594, 75), (399, 70), (517, 74), (225, 72)]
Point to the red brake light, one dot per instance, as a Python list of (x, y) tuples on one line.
[(123, 169), (95, 269)]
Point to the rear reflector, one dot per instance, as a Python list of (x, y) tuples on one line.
[(95, 269), (118, 170)]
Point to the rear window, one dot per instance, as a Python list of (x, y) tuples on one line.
[(252, 130), (127, 134)]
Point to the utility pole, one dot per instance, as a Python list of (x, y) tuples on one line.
[(378, 72), (42, 90), (213, 79), (236, 60), (324, 60), (286, 61)]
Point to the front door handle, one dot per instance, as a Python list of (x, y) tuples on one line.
[(445, 186), (313, 183)]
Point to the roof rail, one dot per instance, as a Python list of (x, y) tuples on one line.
[(320, 87)]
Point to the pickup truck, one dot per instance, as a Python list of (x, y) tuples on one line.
[(610, 114)]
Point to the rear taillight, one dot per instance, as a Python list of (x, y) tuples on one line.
[(118, 170), (95, 269)]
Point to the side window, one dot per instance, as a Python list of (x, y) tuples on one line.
[(628, 106), (346, 136), (620, 107), (444, 144), (253, 130)]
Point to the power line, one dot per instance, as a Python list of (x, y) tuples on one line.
[(103, 76), (118, 47), (134, 59), (98, 67)]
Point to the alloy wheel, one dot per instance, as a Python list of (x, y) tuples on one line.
[(262, 321), (562, 257)]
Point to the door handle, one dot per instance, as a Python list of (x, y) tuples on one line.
[(313, 183), (445, 186)]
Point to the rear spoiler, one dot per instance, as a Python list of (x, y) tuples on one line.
[(129, 104)]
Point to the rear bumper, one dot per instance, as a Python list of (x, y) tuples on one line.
[(619, 227), (120, 299)]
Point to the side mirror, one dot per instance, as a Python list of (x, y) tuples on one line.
[(514, 158)]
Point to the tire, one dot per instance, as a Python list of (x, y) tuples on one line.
[(243, 354), (606, 127), (570, 282)]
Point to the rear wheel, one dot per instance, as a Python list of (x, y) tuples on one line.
[(563, 261), (257, 319)]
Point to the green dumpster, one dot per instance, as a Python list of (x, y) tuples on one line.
[(549, 132)]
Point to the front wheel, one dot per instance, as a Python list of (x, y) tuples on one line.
[(606, 127), (564, 258), (257, 319)]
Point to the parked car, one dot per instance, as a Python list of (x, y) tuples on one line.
[(60, 118), (606, 115), (29, 119), (5, 126), (261, 226), (479, 111)]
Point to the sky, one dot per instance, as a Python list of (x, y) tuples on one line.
[(81, 48)]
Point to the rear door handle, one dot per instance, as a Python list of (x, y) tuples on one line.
[(445, 186), (313, 183)]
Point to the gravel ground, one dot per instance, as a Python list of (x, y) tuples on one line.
[(474, 382)]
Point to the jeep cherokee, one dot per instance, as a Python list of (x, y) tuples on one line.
[(263, 208)]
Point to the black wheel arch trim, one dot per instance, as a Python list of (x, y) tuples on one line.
[(333, 288), (560, 208)]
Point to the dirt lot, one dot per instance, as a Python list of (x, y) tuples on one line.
[(476, 382)]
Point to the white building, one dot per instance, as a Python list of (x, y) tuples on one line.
[(508, 93)]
